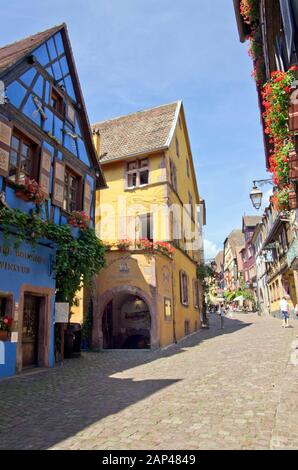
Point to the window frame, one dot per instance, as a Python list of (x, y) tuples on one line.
[(34, 146), (137, 171), (184, 295), (166, 317), (60, 111), (79, 202), (173, 176)]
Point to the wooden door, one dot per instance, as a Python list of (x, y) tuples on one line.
[(30, 330), (107, 326)]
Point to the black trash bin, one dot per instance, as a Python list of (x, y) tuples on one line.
[(72, 340)]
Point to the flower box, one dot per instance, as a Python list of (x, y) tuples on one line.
[(293, 203), (293, 165), (4, 335), (79, 220)]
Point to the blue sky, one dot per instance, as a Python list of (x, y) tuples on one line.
[(135, 54)]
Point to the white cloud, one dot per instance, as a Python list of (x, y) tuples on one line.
[(210, 249)]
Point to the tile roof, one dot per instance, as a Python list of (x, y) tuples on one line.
[(252, 220), (12, 53), (144, 131), (236, 240)]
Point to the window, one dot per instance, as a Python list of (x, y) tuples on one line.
[(146, 227), (250, 251), (72, 191), (191, 205), (187, 168), (184, 288), (177, 147), (186, 328), (21, 158), (5, 306), (196, 293), (173, 175), (137, 173), (57, 101), (167, 309), (3, 303)]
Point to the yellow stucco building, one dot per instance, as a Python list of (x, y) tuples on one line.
[(148, 296)]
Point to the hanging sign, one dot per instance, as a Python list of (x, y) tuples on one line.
[(61, 312)]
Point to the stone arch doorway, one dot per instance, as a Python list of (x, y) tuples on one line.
[(126, 323)]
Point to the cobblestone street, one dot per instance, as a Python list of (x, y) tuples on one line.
[(219, 389)]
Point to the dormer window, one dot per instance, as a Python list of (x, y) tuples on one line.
[(137, 173), (57, 101)]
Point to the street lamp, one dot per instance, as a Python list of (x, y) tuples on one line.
[(256, 194)]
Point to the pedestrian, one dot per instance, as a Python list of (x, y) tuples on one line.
[(284, 311), (296, 310), (222, 313)]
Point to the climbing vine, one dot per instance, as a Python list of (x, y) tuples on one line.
[(77, 259)]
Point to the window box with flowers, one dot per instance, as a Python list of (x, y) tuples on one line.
[(145, 244), (30, 191), (5, 328), (164, 248), (124, 245), (79, 220)]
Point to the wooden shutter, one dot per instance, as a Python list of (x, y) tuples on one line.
[(58, 183), (181, 287), (5, 138), (45, 171), (87, 198)]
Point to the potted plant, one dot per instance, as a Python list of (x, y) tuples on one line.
[(79, 219), (124, 244), (5, 327), (107, 245)]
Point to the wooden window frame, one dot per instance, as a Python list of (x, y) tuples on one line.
[(137, 171), (60, 112), (79, 202), (173, 175), (184, 298), (168, 318), (196, 297), (187, 168), (9, 304), (34, 145), (177, 147)]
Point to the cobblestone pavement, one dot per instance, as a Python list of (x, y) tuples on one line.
[(219, 389)]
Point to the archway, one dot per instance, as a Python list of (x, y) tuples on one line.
[(126, 322)]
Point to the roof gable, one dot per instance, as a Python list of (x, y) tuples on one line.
[(145, 131), (12, 53), (52, 50)]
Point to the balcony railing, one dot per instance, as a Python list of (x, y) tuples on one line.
[(292, 255)]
